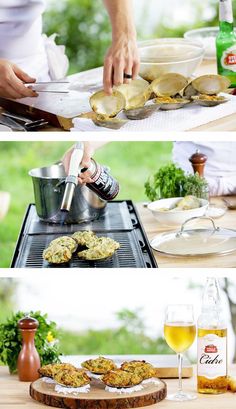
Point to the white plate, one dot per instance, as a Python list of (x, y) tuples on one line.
[(4, 128)]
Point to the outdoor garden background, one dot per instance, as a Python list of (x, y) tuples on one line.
[(111, 312)]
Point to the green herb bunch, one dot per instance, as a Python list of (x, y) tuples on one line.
[(45, 340), (171, 181)]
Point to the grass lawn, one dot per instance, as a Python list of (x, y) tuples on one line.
[(130, 162)]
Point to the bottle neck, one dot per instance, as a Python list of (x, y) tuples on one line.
[(212, 315), (226, 15), (226, 27), (211, 296)]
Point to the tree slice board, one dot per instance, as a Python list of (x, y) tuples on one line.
[(97, 397)]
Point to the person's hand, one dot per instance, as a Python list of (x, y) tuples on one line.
[(121, 58), (89, 149), (12, 80)]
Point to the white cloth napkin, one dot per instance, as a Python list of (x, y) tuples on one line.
[(183, 119)]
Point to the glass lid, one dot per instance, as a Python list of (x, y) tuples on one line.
[(196, 242)]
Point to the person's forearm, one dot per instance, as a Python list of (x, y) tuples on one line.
[(121, 63), (122, 17)]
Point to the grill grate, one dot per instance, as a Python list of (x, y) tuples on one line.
[(117, 217), (126, 229)]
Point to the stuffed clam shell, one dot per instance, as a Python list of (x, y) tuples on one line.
[(84, 238), (171, 103), (144, 369), (204, 90), (65, 241), (121, 379), (168, 85), (72, 378), (99, 366), (50, 370), (209, 100), (100, 249), (56, 254)]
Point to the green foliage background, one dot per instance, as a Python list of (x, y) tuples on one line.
[(84, 28)]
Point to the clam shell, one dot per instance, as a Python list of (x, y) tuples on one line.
[(168, 85), (170, 106), (190, 91), (207, 103), (211, 84), (109, 105), (136, 93), (142, 112), (111, 123)]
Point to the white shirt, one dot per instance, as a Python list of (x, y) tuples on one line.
[(220, 169), (21, 35)]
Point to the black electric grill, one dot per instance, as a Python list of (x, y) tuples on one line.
[(120, 222)]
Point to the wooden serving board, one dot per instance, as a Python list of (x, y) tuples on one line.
[(97, 397)]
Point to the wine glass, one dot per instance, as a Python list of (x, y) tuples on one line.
[(180, 332)]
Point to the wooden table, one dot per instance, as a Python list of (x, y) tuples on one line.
[(227, 123), (15, 395), (152, 229)]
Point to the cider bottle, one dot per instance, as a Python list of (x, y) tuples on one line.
[(226, 43), (212, 342)]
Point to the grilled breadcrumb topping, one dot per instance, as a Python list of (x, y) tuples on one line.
[(121, 379), (99, 365), (142, 368)]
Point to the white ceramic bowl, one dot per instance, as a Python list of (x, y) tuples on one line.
[(175, 217), (207, 37), (165, 55)]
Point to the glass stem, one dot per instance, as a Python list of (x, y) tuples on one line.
[(180, 361)]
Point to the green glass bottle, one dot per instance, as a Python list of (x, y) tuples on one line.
[(226, 43)]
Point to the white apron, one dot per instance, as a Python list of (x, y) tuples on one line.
[(22, 42), (220, 170)]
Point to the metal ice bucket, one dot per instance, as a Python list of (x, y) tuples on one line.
[(49, 186)]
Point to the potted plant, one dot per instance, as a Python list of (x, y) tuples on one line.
[(46, 341)]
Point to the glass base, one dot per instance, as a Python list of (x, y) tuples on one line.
[(181, 397)]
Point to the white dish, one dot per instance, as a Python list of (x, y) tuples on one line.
[(207, 37), (4, 128), (165, 55), (175, 217)]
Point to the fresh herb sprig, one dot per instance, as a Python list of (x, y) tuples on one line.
[(45, 340), (171, 181)]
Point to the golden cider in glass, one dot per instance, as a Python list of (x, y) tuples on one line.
[(179, 336)]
